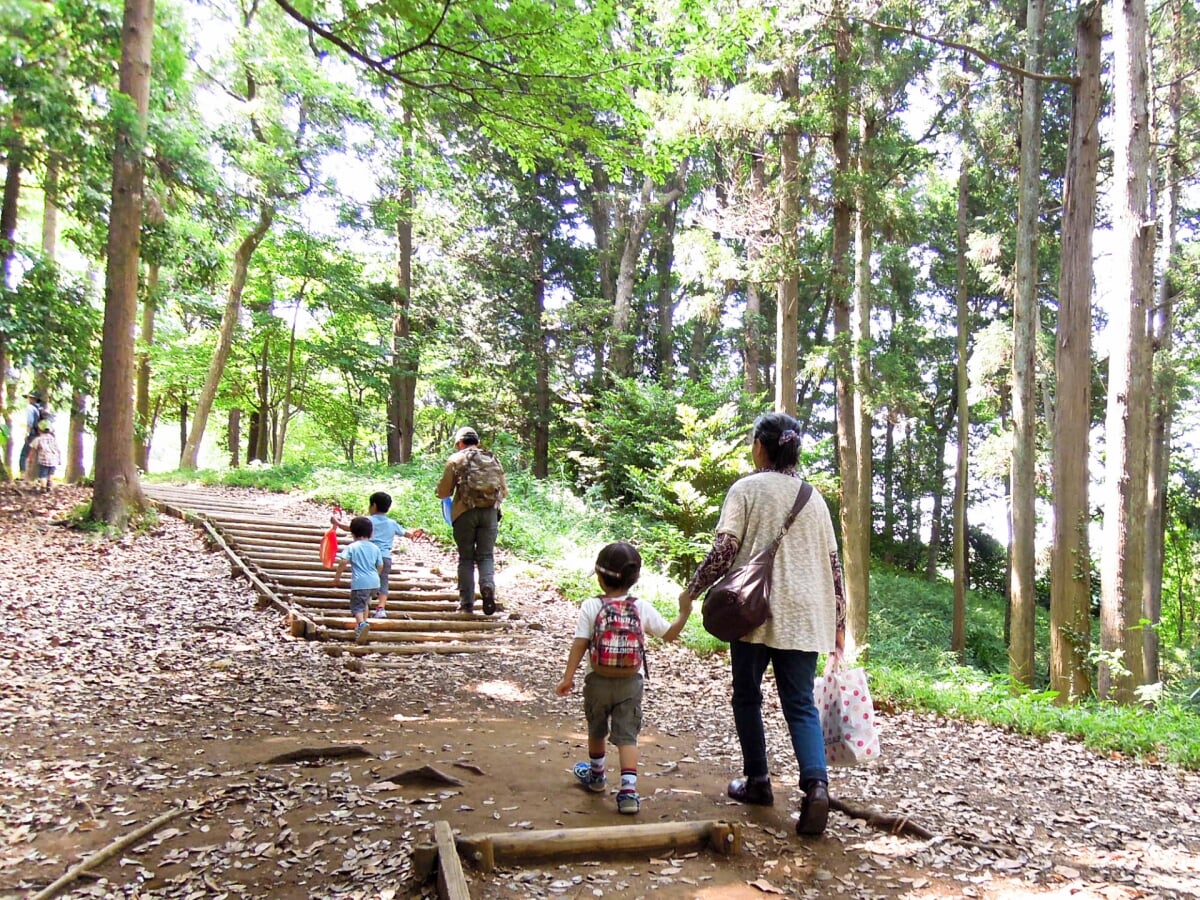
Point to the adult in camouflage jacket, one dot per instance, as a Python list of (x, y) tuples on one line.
[(475, 479)]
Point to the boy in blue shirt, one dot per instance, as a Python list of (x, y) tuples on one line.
[(384, 532), (366, 563)]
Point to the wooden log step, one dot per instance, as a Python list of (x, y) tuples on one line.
[(438, 594), (419, 590), (346, 623), (603, 842), (393, 604), (339, 649), (401, 637), (317, 581)]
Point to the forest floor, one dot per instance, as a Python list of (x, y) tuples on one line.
[(138, 678)]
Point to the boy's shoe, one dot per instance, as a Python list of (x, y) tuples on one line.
[(362, 632), (628, 803), (380, 614), (489, 600), (589, 779)]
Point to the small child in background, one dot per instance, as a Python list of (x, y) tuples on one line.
[(44, 448), (384, 532), (366, 563), (614, 626)]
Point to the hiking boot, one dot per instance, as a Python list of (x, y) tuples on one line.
[(752, 791), (628, 803), (588, 778), (489, 599), (814, 810), (362, 632), (466, 607)]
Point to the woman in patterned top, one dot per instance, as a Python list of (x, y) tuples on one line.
[(808, 614)]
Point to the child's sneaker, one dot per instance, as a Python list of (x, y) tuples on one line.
[(362, 632), (380, 613), (628, 803), (589, 779)]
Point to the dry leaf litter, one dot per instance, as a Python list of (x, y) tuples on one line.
[(139, 678)]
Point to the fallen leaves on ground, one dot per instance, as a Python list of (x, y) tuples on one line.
[(138, 677)]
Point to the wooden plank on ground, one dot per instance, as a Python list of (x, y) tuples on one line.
[(488, 850)]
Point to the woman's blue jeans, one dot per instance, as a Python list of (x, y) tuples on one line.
[(475, 535), (795, 671)]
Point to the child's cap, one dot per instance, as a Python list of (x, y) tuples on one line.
[(617, 559), (44, 425)]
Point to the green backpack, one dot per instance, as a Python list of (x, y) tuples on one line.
[(481, 479)]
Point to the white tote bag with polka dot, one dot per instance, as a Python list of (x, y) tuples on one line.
[(847, 716)]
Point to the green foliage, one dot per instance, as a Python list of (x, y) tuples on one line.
[(51, 325), (80, 519), (680, 494)]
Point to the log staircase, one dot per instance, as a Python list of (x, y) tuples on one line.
[(280, 557)]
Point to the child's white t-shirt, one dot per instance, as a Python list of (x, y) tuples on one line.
[(653, 621)]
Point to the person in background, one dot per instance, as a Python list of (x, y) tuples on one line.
[(808, 615), (384, 531), (43, 449), (33, 415), (365, 562), (475, 479), (614, 694)]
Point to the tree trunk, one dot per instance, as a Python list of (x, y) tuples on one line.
[(9, 211), (541, 395), (183, 428), (752, 319), (1022, 599), (252, 435), (235, 438), (623, 338), (601, 216), (142, 431), (402, 379), (229, 322), (50, 208), (285, 416), (856, 566), (937, 480), (1161, 324), (8, 394), (787, 314), (74, 470), (889, 488), (1123, 561), (263, 442), (962, 325), (1070, 572), (664, 261), (117, 494)]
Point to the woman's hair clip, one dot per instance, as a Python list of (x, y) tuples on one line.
[(788, 436)]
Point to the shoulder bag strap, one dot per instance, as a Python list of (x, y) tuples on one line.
[(802, 497)]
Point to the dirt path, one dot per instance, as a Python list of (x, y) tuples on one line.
[(138, 677)]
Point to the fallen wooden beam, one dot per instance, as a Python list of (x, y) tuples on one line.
[(486, 851), (396, 624), (337, 649), (452, 881)]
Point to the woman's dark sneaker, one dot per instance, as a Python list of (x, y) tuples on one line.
[(754, 791), (489, 599), (814, 809)]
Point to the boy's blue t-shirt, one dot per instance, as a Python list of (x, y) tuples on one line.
[(363, 557), (385, 530)]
